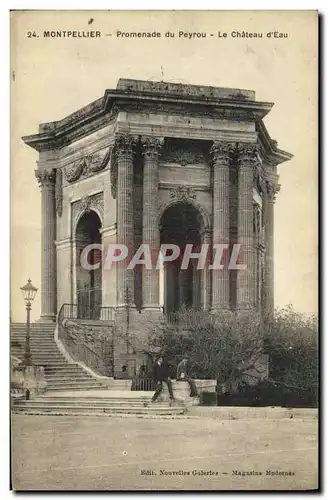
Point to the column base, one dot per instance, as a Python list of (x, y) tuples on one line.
[(220, 308), (152, 307), (245, 307), (126, 306), (154, 313), (49, 318)]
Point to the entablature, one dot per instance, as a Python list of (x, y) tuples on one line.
[(164, 110)]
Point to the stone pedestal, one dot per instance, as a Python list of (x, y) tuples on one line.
[(181, 392), (28, 378)]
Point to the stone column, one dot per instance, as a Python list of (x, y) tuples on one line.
[(150, 228), (205, 278), (247, 158), (220, 277), (46, 178), (268, 291), (124, 151)]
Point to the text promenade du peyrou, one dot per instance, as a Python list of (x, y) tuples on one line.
[(186, 35)]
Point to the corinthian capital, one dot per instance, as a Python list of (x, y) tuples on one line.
[(248, 154), (124, 145), (152, 147), (221, 151), (46, 177)]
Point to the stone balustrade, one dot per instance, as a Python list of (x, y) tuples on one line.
[(27, 378)]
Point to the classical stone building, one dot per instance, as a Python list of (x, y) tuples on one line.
[(156, 162)]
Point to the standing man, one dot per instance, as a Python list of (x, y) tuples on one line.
[(160, 375), (183, 375)]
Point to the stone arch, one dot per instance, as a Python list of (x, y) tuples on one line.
[(183, 222), (78, 216), (88, 280), (205, 217)]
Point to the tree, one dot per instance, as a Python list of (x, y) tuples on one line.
[(225, 346), (220, 346)]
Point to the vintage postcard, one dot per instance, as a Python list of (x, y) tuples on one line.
[(164, 199)]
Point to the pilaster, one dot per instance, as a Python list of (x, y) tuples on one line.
[(109, 274)]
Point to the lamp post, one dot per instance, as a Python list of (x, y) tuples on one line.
[(29, 292)]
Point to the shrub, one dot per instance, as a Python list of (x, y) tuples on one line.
[(291, 340), (220, 346), (224, 346)]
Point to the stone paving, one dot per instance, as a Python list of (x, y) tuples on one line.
[(101, 453)]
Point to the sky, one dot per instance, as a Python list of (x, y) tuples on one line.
[(51, 78)]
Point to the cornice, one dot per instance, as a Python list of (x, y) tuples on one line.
[(269, 150), (56, 135)]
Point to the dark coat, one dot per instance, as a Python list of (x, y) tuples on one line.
[(160, 372)]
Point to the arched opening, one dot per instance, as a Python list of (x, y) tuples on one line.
[(181, 225), (88, 282)]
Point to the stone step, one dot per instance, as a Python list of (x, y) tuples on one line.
[(33, 329), (39, 345), (33, 333), (72, 382), (55, 357), (33, 343), (68, 376), (50, 353), (59, 373), (79, 377), (36, 340), (149, 410), (76, 387), (67, 367), (104, 402), (94, 404), (41, 334), (47, 353), (42, 362), (51, 367)]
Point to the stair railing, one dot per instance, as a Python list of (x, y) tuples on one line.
[(78, 340)]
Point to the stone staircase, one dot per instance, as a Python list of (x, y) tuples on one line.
[(97, 403), (60, 374), (71, 390)]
